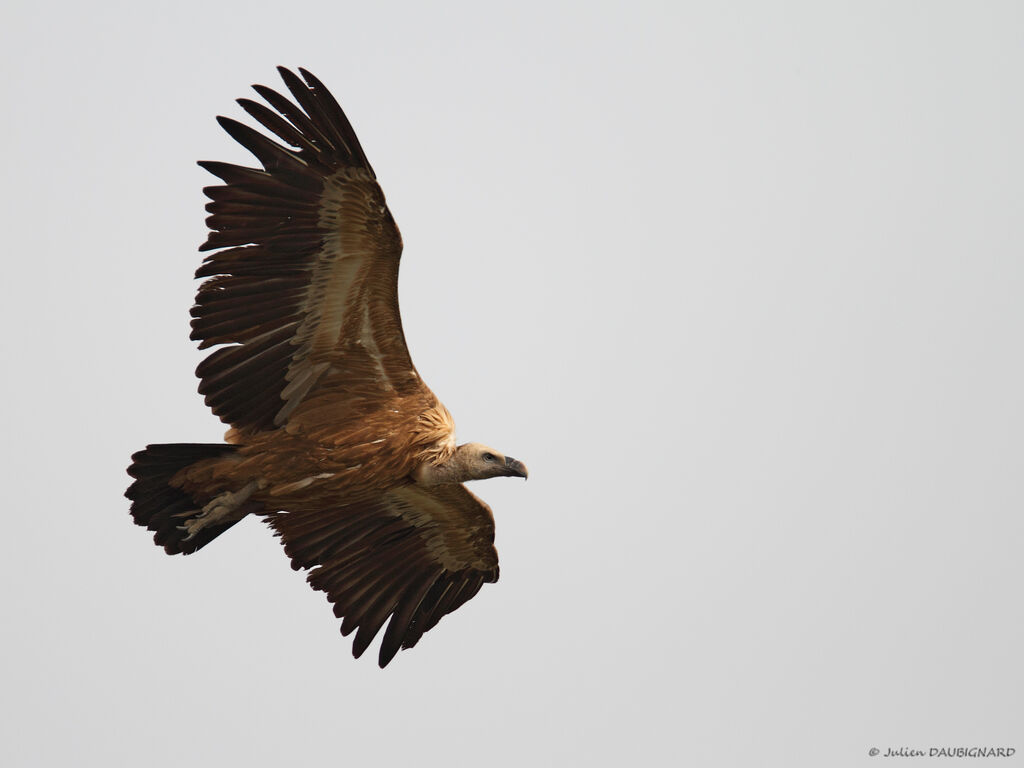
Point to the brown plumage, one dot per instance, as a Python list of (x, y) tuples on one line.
[(335, 440)]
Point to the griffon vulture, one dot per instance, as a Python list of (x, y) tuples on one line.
[(334, 439)]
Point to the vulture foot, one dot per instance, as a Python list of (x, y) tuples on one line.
[(223, 508)]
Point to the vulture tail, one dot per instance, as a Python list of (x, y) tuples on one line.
[(164, 508)]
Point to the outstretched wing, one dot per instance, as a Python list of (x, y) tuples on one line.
[(303, 287), (411, 553)]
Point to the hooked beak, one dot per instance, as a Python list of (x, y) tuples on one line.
[(514, 468)]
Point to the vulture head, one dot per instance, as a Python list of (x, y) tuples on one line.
[(481, 462), (470, 461)]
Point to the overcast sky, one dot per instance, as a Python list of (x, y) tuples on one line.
[(741, 284)]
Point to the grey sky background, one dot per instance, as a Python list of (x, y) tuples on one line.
[(741, 283)]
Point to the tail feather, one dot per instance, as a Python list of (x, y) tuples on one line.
[(163, 508)]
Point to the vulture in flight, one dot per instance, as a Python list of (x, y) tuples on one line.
[(334, 439)]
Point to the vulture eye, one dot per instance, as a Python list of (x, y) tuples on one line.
[(489, 457)]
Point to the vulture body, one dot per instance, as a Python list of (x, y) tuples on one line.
[(334, 439)]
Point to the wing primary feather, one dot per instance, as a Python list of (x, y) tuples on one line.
[(212, 315), (296, 186), (295, 116), (233, 287), (377, 613), (252, 261), (277, 125), (374, 600), (240, 206), (313, 107), (269, 237), (304, 98), (401, 618), (273, 156), (430, 604), (234, 174), (260, 195), (336, 116)]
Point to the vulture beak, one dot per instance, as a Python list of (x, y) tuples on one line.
[(515, 468)]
